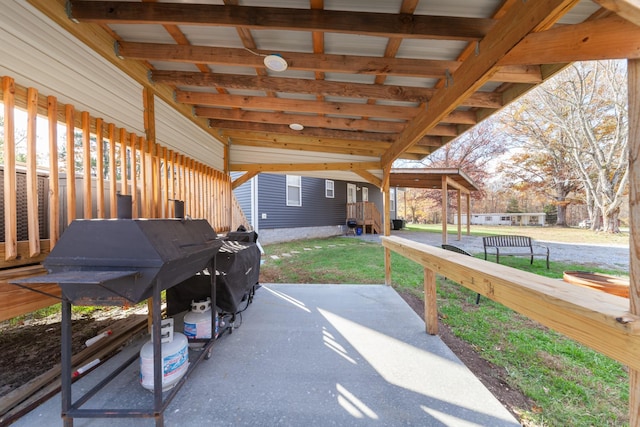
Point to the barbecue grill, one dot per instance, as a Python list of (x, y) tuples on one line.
[(120, 262)]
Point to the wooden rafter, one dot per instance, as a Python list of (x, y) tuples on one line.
[(374, 24), (521, 19), (285, 167)]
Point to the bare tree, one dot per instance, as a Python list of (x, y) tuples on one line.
[(588, 104), (572, 138)]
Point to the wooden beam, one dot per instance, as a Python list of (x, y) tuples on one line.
[(521, 19), (9, 173), (32, 174), (273, 18), (628, 9), (242, 179), (369, 177), (304, 106), (315, 87), (348, 64), (287, 167), (54, 182), (633, 72), (374, 149), (596, 319), (609, 38)]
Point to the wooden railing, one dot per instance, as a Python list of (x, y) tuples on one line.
[(105, 160), (596, 319), (367, 215)]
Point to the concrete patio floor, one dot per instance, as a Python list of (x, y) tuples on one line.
[(311, 355)]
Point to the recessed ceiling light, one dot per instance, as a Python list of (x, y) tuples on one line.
[(275, 62), (296, 126)]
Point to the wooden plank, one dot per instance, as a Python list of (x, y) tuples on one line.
[(165, 182), (430, 302), (32, 173), (86, 165), (54, 187), (70, 163), (124, 172), (10, 198), (369, 23), (628, 9), (282, 167), (133, 139), (145, 188), (113, 175), (609, 38), (100, 205), (16, 301), (633, 76), (315, 62), (316, 87), (596, 319), (445, 203)]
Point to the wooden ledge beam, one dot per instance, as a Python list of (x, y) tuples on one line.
[(285, 167)]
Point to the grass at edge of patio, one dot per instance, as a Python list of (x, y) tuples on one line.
[(570, 384)]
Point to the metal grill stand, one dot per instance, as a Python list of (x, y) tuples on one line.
[(161, 254)]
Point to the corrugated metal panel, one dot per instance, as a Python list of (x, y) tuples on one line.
[(354, 44), (445, 50)]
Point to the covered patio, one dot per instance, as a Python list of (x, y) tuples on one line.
[(341, 355), (163, 101)]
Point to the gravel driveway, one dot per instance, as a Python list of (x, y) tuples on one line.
[(614, 257)]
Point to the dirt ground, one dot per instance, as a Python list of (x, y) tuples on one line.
[(32, 348)]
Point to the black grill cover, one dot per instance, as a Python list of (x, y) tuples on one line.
[(238, 267)]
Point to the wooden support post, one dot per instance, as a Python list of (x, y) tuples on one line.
[(459, 196), (445, 202), (113, 175), (468, 214), (430, 302), (387, 226), (54, 189), (10, 198), (86, 165), (633, 69), (100, 169), (124, 188), (32, 173), (134, 175), (71, 163)]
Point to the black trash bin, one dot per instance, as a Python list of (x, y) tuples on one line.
[(398, 224)]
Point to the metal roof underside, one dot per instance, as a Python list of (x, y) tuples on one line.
[(370, 81)]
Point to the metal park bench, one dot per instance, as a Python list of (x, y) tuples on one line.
[(463, 252), (525, 243)]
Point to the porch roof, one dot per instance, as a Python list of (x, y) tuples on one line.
[(431, 178)]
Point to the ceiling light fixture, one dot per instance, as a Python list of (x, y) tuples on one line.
[(296, 126), (275, 62)]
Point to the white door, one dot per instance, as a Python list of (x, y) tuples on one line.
[(351, 193)]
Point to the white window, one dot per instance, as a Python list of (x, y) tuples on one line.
[(351, 193), (365, 194), (294, 190), (392, 199), (329, 189)]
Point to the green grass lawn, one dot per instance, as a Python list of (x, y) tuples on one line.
[(570, 384)]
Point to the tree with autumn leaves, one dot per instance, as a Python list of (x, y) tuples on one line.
[(572, 136), (563, 143)]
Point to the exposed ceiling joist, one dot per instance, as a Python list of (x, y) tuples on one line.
[(363, 23), (521, 19), (285, 167)]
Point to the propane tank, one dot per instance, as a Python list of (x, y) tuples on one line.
[(197, 322), (175, 358)]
